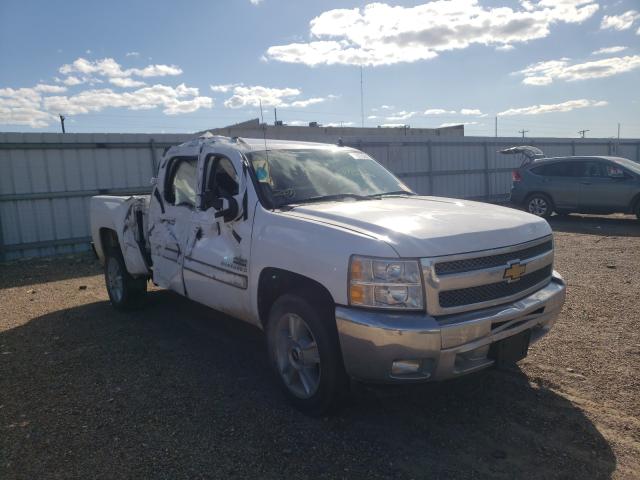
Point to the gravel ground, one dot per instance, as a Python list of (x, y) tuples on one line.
[(180, 391)]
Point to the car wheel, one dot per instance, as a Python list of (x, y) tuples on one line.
[(125, 292), (305, 355), (540, 205)]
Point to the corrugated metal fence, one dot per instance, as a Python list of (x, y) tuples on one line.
[(47, 179)]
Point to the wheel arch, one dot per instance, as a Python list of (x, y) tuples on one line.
[(108, 238), (635, 203), (274, 282)]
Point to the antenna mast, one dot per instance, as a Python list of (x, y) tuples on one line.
[(361, 98)]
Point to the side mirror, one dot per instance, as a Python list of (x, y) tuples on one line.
[(228, 210)]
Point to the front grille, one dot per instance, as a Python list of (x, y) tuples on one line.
[(492, 291), (478, 263)]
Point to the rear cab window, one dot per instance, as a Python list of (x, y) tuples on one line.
[(180, 186)]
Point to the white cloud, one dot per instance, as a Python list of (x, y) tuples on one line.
[(387, 107), (381, 34), (620, 22), (181, 99), (255, 2), (38, 106), (126, 82), (305, 103), (372, 117), (108, 67), (224, 88), (402, 115), (132, 54), (453, 124), (88, 52), (608, 50), (472, 111), (553, 108), (392, 125), (42, 88), (339, 124), (544, 73), (438, 111), (505, 48), (251, 96), (21, 106), (72, 81)]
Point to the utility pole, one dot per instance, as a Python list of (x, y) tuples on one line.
[(275, 115), (496, 126), (582, 133), (261, 115), (523, 131), (618, 131), (62, 118), (361, 98)]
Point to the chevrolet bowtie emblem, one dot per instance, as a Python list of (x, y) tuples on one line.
[(514, 271)]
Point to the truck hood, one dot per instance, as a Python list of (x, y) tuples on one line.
[(419, 226)]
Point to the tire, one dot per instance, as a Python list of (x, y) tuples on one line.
[(125, 292), (539, 204), (305, 355)]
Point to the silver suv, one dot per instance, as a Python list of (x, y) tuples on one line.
[(577, 184)]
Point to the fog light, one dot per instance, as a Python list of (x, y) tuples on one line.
[(405, 367)]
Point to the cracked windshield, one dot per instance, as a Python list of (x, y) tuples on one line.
[(298, 176)]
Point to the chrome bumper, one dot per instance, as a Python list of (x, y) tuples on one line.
[(445, 347)]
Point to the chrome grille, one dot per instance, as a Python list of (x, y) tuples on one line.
[(492, 291), (478, 263), (459, 283)]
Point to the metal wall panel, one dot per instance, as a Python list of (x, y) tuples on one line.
[(46, 179)]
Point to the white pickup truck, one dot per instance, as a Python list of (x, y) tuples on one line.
[(350, 274)]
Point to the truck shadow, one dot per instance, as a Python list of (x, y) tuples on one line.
[(609, 225), (178, 390), (48, 269)]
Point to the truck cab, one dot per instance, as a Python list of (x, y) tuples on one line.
[(350, 274)]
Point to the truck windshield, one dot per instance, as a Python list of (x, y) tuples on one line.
[(311, 175)]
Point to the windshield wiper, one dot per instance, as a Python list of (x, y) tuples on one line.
[(328, 198), (397, 192)]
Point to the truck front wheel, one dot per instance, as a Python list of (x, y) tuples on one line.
[(125, 292), (305, 354)]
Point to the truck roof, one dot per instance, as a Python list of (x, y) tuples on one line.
[(250, 144)]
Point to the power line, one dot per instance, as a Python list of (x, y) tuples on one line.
[(583, 133), (523, 131)]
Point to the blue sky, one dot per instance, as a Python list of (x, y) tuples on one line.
[(155, 67)]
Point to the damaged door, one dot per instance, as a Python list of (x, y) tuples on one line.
[(133, 238), (172, 204), (217, 258)]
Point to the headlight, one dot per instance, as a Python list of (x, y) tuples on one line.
[(382, 283)]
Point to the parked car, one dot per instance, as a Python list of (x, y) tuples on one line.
[(348, 272), (577, 184)]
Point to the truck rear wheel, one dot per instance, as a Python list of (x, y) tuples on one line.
[(305, 354), (125, 292)]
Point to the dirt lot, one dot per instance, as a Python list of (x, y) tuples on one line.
[(180, 391)]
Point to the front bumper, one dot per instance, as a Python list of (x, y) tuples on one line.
[(445, 347)]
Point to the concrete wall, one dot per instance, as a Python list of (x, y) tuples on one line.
[(46, 180)]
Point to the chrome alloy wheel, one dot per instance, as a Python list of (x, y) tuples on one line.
[(297, 356), (115, 280), (538, 206)]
